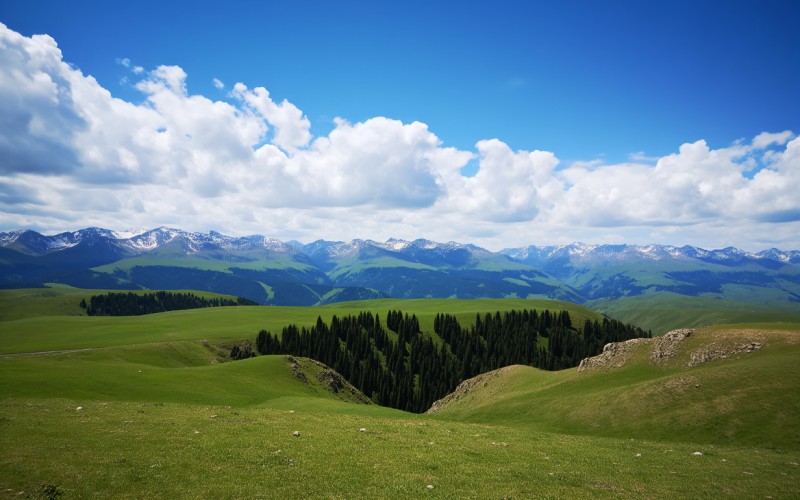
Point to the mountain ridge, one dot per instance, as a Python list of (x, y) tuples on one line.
[(149, 239), (272, 271)]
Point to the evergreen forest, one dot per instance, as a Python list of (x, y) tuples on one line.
[(136, 304), (401, 367)]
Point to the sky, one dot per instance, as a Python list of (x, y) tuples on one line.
[(498, 123)]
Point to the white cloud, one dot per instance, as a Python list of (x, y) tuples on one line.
[(126, 63), (218, 83), (509, 186), (292, 128), (766, 139), (380, 162), (72, 155), (641, 156)]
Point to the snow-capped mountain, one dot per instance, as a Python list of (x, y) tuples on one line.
[(143, 240), (272, 271), (582, 253)]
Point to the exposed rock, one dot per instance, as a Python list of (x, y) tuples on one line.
[(297, 370), (329, 378), (666, 346), (296, 434), (614, 355), (717, 351), (332, 380), (337, 384)]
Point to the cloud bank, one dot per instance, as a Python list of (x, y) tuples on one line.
[(72, 155)]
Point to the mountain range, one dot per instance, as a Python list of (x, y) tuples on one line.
[(271, 271)]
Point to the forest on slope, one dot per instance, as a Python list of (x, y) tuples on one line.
[(406, 369)]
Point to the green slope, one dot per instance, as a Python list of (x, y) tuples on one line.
[(162, 417), (182, 372), (36, 331), (663, 312), (749, 399), (61, 300)]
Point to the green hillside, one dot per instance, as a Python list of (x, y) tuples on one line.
[(745, 398), (662, 312), (152, 408), (34, 328)]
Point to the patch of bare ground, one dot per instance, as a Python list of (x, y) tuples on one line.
[(466, 387), (674, 386)]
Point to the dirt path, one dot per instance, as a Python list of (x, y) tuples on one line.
[(41, 353)]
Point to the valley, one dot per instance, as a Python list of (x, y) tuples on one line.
[(152, 406)]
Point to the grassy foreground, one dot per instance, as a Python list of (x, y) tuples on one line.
[(163, 416), (143, 450)]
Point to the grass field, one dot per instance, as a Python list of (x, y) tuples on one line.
[(663, 312), (162, 415), (28, 330)]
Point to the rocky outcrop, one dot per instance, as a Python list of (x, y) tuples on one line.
[(614, 355), (329, 379), (724, 345), (666, 346), (297, 370), (335, 383), (714, 352)]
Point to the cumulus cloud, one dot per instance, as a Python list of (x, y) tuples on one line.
[(292, 128), (766, 139), (37, 110), (72, 155), (509, 185), (381, 162)]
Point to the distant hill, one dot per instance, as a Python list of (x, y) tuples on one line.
[(270, 271)]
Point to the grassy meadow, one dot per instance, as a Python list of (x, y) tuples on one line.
[(150, 407), (662, 312)]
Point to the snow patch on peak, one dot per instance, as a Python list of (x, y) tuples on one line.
[(9, 237), (153, 239), (129, 233), (580, 249), (395, 244)]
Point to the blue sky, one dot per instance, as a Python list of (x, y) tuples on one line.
[(597, 84)]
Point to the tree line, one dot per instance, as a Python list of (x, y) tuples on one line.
[(406, 369), (136, 304)]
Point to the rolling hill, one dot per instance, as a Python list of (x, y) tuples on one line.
[(151, 405), (734, 384)]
